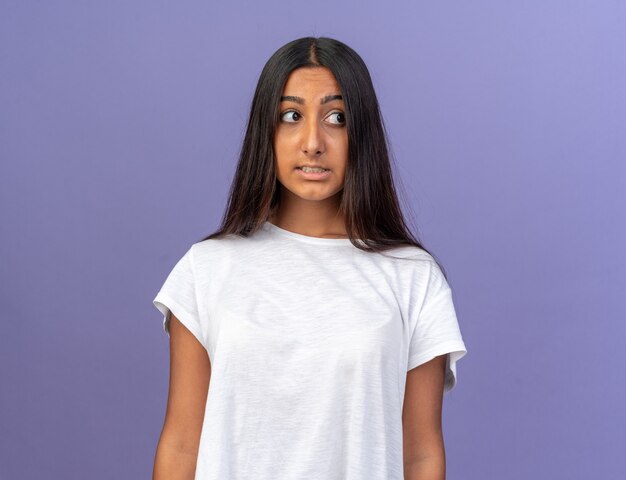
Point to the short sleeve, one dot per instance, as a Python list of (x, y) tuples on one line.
[(178, 296), (436, 330)]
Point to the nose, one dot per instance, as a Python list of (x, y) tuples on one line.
[(312, 139)]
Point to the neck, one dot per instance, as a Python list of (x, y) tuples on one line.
[(312, 218)]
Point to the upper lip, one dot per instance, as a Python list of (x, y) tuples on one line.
[(312, 166)]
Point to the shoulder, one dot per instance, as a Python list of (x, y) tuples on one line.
[(212, 246), (415, 268), (410, 257), (210, 254)]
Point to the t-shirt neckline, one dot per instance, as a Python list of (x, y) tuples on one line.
[(305, 238)]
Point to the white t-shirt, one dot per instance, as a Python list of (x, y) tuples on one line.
[(310, 340)]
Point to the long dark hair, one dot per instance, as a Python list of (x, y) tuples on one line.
[(369, 203)]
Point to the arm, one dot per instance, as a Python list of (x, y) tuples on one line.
[(423, 446), (190, 372)]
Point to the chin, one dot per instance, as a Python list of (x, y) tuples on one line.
[(315, 196), (312, 191)]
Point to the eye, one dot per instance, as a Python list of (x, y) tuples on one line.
[(340, 118), (284, 116)]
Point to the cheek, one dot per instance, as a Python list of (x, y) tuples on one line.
[(342, 174), (282, 146), (342, 146), (279, 155), (282, 165), (343, 149)]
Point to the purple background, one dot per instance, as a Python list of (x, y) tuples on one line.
[(119, 131)]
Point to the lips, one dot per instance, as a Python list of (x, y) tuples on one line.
[(313, 174), (311, 166)]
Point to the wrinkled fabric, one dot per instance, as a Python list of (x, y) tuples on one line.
[(310, 340)]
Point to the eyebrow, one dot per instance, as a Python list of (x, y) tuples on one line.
[(300, 100)]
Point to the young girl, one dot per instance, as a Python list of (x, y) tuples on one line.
[(312, 336)]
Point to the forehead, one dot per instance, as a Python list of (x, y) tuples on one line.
[(311, 82)]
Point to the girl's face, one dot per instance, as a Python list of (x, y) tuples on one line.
[(311, 132)]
